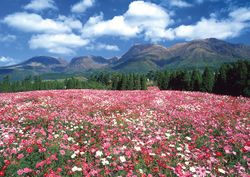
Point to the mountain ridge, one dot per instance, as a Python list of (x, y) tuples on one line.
[(142, 58)]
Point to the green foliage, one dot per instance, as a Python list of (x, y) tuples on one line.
[(230, 79), (36, 83), (207, 80), (233, 79), (196, 80)]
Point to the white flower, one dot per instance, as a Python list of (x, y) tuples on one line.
[(171, 145), (179, 149), (221, 170), (70, 139), (104, 161), (98, 154), (75, 168), (122, 159), (168, 135), (140, 170), (188, 138), (73, 156), (137, 148), (152, 154), (192, 169), (82, 153)]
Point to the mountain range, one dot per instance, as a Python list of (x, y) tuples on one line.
[(140, 58)]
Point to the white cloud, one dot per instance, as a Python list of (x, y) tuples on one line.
[(207, 28), (147, 19), (38, 5), (6, 61), (57, 43), (179, 3), (101, 46), (30, 22), (7, 38), (241, 14), (96, 27), (230, 27), (82, 6), (70, 22)]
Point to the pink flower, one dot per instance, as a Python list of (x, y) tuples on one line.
[(20, 172), (27, 170), (20, 156), (62, 152)]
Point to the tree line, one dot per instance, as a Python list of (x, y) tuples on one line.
[(118, 81), (230, 79), (108, 81), (36, 83)]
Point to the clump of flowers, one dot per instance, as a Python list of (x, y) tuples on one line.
[(123, 133)]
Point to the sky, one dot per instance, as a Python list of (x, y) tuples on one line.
[(70, 28)]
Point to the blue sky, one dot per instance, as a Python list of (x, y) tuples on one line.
[(69, 28)]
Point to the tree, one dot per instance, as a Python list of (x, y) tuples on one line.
[(6, 84), (37, 82), (130, 82), (207, 80), (137, 82), (143, 82), (196, 80), (115, 82), (220, 85), (124, 82)]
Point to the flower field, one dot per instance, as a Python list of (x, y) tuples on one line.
[(124, 133)]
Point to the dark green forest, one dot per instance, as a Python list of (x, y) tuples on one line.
[(114, 81), (230, 79)]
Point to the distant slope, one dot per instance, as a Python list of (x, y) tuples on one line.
[(85, 63), (35, 65), (139, 58), (195, 54)]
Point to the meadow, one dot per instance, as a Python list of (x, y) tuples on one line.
[(124, 133)]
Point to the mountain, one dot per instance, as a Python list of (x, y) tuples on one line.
[(195, 54), (35, 65), (86, 63), (139, 58)]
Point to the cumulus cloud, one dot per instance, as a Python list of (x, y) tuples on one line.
[(207, 28), (70, 22), (141, 18), (152, 22), (30, 22), (230, 27), (38, 5), (241, 14), (82, 6), (96, 27), (6, 61), (101, 46), (57, 43), (7, 38)]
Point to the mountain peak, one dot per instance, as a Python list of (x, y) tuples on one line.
[(144, 57), (45, 60)]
